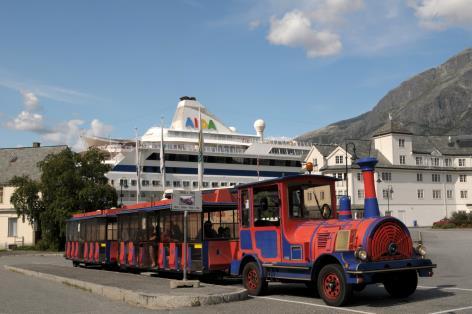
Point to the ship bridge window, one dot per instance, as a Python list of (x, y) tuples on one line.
[(266, 207), (308, 201)]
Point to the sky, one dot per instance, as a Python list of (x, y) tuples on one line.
[(107, 67)]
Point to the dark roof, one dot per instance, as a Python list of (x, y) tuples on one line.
[(23, 161), (446, 145), (392, 127), (325, 149)]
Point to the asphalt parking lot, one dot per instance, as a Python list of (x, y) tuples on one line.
[(449, 291)]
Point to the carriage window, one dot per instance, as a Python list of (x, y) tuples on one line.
[(221, 224), (245, 208), (102, 228), (112, 231), (309, 202), (177, 227), (194, 229), (266, 207)]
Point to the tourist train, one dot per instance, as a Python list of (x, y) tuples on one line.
[(287, 229)]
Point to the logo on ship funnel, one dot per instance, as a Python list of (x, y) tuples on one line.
[(210, 125)]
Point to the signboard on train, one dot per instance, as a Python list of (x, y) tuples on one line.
[(187, 201)]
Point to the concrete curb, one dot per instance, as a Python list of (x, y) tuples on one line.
[(147, 300), (30, 254)]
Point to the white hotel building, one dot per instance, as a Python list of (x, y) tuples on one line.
[(419, 179)]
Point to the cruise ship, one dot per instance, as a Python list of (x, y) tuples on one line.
[(230, 158)]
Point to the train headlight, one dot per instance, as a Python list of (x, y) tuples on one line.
[(361, 253), (420, 250)]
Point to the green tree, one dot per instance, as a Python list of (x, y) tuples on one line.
[(70, 182), (27, 202)]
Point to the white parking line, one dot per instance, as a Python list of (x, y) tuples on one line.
[(453, 310), (313, 304), (446, 288)]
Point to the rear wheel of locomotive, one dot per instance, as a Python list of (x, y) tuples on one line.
[(401, 285), (332, 285), (253, 280)]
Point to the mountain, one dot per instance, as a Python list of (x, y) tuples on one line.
[(435, 102)]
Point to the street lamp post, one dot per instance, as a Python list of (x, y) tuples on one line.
[(389, 194), (353, 157)]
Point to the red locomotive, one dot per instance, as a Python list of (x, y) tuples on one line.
[(286, 229)]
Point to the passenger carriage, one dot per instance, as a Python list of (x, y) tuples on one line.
[(287, 229)]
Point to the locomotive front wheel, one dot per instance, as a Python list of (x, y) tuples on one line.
[(401, 285), (252, 279), (332, 285)]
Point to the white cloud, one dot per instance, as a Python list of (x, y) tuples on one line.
[(441, 14), (294, 29), (27, 121), (333, 11), (30, 100), (68, 132), (254, 24), (98, 128)]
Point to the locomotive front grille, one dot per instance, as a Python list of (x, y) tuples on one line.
[(390, 241)]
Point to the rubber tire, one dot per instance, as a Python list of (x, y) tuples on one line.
[(401, 285), (311, 285), (345, 288), (261, 286)]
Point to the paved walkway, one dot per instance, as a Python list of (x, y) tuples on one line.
[(149, 292)]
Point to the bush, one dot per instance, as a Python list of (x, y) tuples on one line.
[(461, 218)]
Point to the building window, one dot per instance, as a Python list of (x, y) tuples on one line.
[(435, 162), (1, 194), (461, 162), (360, 193), (214, 184), (448, 177), (339, 159), (12, 227), (232, 184), (436, 177), (310, 196), (386, 176), (359, 176), (224, 184), (436, 194), (205, 184), (420, 194), (401, 142), (447, 162), (386, 194), (449, 194), (124, 183), (195, 184), (402, 159), (462, 178), (464, 194), (419, 177), (145, 182), (419, 161), (156, 183), (167, 183), (133, 182), (322, 195), (176, 184), (186, 184), (315, 162)]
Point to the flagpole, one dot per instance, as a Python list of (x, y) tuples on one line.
[(138, 170), (200, 150), (162, 159)]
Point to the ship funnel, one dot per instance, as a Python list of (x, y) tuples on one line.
[(371, 206), (345, 208)]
